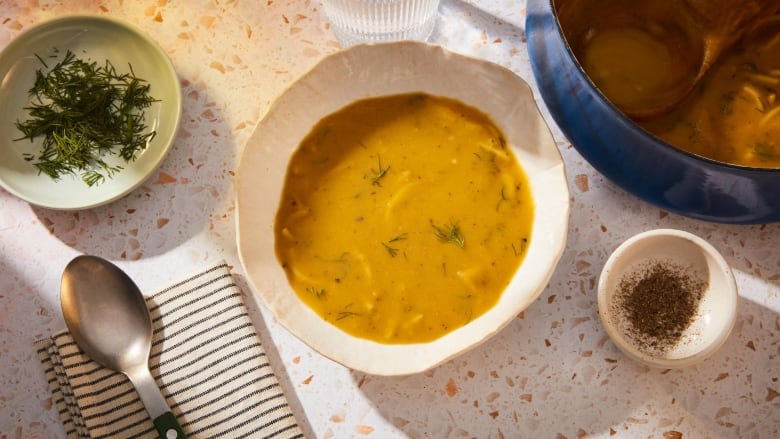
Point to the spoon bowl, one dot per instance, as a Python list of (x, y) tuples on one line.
[(113, 329), (107, 316)]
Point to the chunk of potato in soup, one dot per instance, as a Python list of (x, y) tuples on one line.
[(403, 217)]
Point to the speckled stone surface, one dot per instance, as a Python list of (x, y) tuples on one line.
[(552, 373)]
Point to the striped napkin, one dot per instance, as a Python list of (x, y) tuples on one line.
[(206, 358)]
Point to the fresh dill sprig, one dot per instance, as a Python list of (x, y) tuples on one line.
[(523, 245), (317, 292), (85, 112), (400, 237), (392, 250), (450, 234), (344, 314), (380, 172), (501, 198)]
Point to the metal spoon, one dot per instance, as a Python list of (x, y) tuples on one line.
[(107, 316)]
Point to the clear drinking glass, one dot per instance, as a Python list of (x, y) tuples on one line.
[(359, 21)]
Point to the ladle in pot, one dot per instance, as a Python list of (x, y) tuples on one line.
[(682, 40)]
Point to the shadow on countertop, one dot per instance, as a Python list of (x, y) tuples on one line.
[(527, 383), (253, 304)]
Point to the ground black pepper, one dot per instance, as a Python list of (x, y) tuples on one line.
[(659, 302)]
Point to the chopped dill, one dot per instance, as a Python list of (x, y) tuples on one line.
[(85, 112), (317, 292), (501, 198), (377, 174), (344, 314), (392, 250), (523, 246), (400, 237), (450, 234)]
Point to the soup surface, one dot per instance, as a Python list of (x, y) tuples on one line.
[(403, 217), (734, 116), (638, 51)]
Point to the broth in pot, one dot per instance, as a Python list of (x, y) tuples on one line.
[(640, 53)]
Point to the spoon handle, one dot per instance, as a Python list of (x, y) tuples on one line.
[(168, 427), (153, 400)]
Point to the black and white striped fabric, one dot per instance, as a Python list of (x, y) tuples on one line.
[(206, 358)]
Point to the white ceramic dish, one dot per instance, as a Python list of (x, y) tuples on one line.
[(384, 69), (98, 39), (717, 309)]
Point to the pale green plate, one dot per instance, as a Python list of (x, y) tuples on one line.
[(91, 38)]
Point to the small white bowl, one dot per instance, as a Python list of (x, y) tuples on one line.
[(717, 308)]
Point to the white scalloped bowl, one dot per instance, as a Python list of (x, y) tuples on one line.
[(385, 69)]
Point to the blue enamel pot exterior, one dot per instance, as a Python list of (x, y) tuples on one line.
[(631, 157)]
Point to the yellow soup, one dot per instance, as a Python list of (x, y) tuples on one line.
[(734, 116), (403, 217)]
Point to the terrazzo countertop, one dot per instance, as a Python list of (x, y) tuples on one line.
[(551, 373)]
